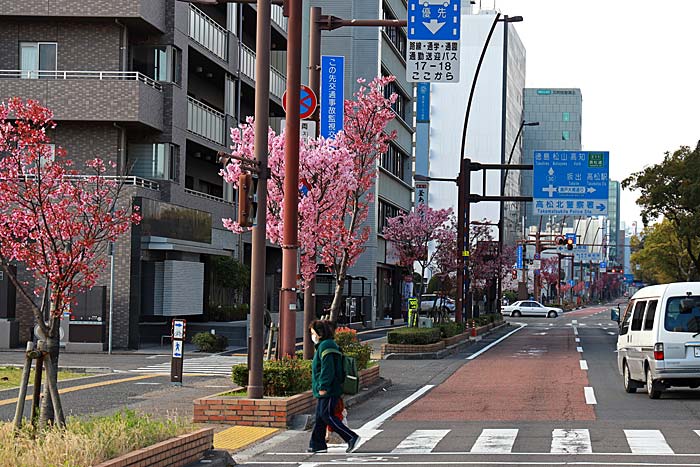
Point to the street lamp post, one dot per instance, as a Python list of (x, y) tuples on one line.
[(464, 307)]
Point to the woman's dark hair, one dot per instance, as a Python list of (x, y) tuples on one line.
[(323, 328)]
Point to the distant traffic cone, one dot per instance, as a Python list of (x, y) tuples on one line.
[(473, 328)]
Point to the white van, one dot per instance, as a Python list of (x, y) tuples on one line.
[(659, 342)]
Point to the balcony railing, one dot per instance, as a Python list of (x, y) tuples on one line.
[(70, 75), (277, 15), (278, 81), (207, 196), (124, 179), (208, 33), (205, 121)]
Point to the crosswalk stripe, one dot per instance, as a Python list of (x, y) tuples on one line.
[(211, 365), (583, 364), (571, 442), (697, 432), (495, 441), (420, 442), (647, 442)]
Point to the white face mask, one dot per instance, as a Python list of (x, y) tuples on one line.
[(315, 338)]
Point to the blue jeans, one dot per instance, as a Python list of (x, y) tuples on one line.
[(324, 418)]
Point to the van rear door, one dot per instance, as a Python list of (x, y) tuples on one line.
[(679, 331)]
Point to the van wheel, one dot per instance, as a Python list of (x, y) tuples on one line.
[(552, 314), (653, 388), (516, 314), (630, 386)]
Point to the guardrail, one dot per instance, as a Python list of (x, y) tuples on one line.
[(208, 33), (278, 81), (83, 74), (205, 121)]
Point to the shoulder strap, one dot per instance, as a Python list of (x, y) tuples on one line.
[(330, 351)]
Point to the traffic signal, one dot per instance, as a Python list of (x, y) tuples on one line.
[(514, 274), (569, 243), (246, 193), (559, 240)]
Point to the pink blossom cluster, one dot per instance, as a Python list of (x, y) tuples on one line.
[(52, 220)]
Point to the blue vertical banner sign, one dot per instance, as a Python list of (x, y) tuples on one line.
[(332, 94), (423, 102), (519, 259)]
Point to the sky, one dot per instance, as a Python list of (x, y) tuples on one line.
[(636, 63)]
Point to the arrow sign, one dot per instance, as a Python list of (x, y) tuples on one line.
[(433, 26)]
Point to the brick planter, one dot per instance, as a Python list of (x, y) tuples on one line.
[(270, 412), (174, 452), (412, 348), (456, 339)]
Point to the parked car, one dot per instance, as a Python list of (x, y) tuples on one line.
[(530, 307), (428, 300), (659, 342)]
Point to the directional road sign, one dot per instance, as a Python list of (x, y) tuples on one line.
[(580, 252), (307, 102), (519, 258), (571, 183), (433, 41), (178, 329), (332, 94)]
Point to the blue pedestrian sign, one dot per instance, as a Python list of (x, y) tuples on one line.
[(432, 20), (332, 95), (571, 183), (177, 348)]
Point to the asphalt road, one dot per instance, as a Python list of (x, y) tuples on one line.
[(548, 394)]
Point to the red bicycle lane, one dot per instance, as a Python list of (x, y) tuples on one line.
[(533, 375)]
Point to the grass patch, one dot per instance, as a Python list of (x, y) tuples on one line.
[(372, 363), (86, 442), (10, 377), (237, 393)]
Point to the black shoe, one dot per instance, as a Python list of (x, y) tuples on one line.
[(316, 451), (352, 443)]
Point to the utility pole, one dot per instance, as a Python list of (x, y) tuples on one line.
[(290, 241)]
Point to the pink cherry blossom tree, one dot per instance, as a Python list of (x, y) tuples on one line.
[(337, 175), (413, 233), (55, 223)]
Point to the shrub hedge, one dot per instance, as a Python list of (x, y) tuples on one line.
[(284, 377), (350, 345), (207, 342), (450, 329), (414, 336)]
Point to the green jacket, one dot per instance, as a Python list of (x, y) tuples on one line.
[(326, 372)]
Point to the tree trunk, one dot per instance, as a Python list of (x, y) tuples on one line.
[(337, 297), (47, 415)]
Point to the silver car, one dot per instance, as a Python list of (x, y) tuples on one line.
[(530, 308)]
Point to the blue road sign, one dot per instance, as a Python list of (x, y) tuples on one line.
[(603, 265), (571, 183), (519, 260), (423, 102), (433, 20), (332, 95), (571, 236)]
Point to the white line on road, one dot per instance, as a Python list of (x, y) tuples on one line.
[(495, 441), (150, 384), (579, 349), (420, 442), (611, 333), (575, 331), (571, 442), (473, 356), (647, 442), (584, 364), (578, 339), (590, 395), (574, 322), (697, 432)]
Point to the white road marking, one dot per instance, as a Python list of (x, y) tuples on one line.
[(584, 364), (574, 322), (575, 331), (571, 442), (150, 384), (578, 339), (579, 349), (473, 356), (611, 333), (495, 441), (590, 395), (647, 442), (420, 442)]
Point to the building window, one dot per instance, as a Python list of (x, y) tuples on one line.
[(154, 161), (394, 161), (565, 136), (565, 116), (160, 63), (386, 211), (396, 35), (402, 102), (38, 59)]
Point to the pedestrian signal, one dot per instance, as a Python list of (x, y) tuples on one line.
[(569, 243)]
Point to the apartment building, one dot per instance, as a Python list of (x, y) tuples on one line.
[(153, 85)]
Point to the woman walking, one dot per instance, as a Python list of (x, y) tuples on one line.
[(327, 387)]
